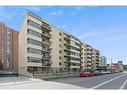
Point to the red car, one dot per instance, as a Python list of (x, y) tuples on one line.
[(86, 74)]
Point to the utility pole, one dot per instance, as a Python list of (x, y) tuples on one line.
[(111, 60)]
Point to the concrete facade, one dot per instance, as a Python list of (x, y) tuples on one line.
[(45, 48), (90, 58)]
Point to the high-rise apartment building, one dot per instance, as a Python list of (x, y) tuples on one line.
[(96, 58), (90, 58), (86, 57), (43, 47), (34, 45), (8, 48)]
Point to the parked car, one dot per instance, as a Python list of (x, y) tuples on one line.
[(97, 73), (86, 74)]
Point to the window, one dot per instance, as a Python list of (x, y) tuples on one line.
[(60, 34), (60, 63), (34, 60), (59, 57), (34, 42), (60, 51), (34, 33), (60, 46), (35, 51), (60, 40), (74, 48), (34, 24)]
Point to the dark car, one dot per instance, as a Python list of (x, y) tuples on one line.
[(86, 74)]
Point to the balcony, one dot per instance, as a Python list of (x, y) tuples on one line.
[(46, 42), (46, 26), (46, 64), (46, 35), (67, 54), (67, 48), (66, 61), (46, 49), (46, 57)]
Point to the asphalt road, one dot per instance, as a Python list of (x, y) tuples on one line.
[(108, 81)]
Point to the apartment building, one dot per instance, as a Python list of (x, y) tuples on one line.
[(87, 57), (8, 48), (45, 48), (34, 45), (96, 58), (90, 58)]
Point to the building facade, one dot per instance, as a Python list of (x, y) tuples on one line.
[(103, 61), (45, 48), (96, 58), (90, 58), (34, 45), (8, 48)]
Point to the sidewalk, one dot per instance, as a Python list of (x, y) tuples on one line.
[(31, 83), (48, 77)]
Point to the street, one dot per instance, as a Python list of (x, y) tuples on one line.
[(108, 81)]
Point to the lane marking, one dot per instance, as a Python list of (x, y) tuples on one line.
[(122, 87), (107, 82), (16, 83)]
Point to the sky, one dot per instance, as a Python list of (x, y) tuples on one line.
[(103, 27)]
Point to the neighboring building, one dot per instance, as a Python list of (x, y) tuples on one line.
[(86, 57), (8, 48), (96, 58), (90, 58), (103, 61), (117, 67)]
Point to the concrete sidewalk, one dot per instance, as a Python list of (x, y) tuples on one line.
[(31, 83)]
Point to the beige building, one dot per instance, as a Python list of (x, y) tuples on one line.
[(34, 45), (45, 48), (96, 58), (90, 58)]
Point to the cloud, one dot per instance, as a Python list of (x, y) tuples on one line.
[(64, 26), (4, 14), (56, 12), (76, 10), (33, 8)]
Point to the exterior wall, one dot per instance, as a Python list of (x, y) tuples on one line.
[(96, 58), (43, 36), (87, 57), (64, 49), (90, 58), (9, 42), (56, 56)]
